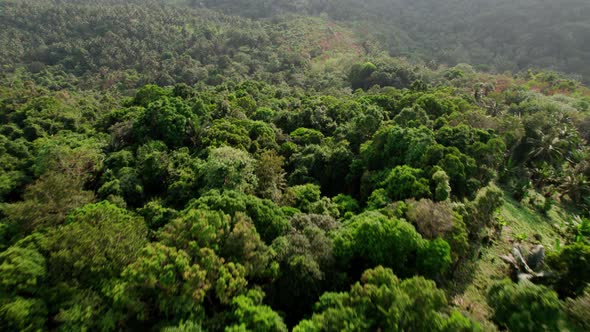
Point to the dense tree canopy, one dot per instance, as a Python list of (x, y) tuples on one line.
[(268, 166)]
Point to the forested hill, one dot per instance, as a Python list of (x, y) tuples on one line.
[(492, 34), (208, 166), (166, 40), (115, 43)]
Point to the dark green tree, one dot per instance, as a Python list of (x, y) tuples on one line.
[(525, 306), (380, 301)]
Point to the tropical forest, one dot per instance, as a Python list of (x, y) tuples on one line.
[(295, 165)]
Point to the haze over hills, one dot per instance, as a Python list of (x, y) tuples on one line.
[(490, 35), (496, 34), (320, 165)]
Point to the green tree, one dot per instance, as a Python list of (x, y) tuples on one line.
[(250, 314), (21, 314), (328, 164), (372, 239), (22, 277), (480, 214), (575, 185), (306, 264), (270, 221), (572, 268), (546, 146), (405, 182), (306, 136), (163, 281), (380, 301), (23, 270), (184, 177), (346, 204), (230, 169), (393, 146), (271, 176), (412, 117), (74, 155), (230, 282), (525, 306), (224, 132), (378, 199), (577, 310), (442, 190), (359, 75), (195, 229), (47, 202), (149, 94), (307, 198), (188, 326), (156, 215), (434, 257), (170, 120), (95, 244), (16, 157), (244, 245), (152, 167)]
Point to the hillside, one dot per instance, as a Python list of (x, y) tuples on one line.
[(270, 166), (495, 35), (128, 45)]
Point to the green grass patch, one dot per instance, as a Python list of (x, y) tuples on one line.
[(473, 278)]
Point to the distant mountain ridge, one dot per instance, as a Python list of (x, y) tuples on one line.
[(498, 34)]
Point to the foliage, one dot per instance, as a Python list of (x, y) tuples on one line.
[(269, 219), (480, 212), (251, 314), (96, 243), (306, 261), (393, 145), (577, 310), (22, 270), (271, 176), (405, 182), (162, 279), (162, 163), (371, 239), (381, 301), (525, 306), (47, 202), (231, 169), (570, 263), (244, 245), (168, 119), (431, 219), (195, 229), (442, 190), (23, 314)]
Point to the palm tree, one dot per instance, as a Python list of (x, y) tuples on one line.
[(546, 146), (575, 185)]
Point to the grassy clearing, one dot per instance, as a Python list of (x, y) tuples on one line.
[(521, 224)]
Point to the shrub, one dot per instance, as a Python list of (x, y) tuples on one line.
[(525, 306)]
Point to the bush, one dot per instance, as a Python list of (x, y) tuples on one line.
[(434, 257), (372, 239), (578, 310), (381, 302), (525, 306), (572, 265), (269, 219), (406, 182), (230, 169), (431, 219)]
